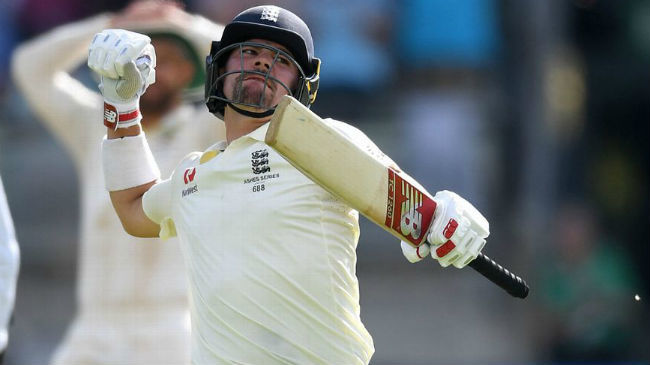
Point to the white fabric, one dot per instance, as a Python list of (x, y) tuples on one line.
[(118, 274), (415, 254), (113, 49), (467, 234), (126, 62), (458, 221), (271, 258), (128, 162), (9, 265)]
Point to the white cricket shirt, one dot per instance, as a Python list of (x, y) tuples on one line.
[(271, 257)]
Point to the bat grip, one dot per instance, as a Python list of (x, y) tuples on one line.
[(499, 275)]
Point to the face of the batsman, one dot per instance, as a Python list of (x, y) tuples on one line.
[(267, 77)]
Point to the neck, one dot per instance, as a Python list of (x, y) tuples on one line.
[(238, 125)]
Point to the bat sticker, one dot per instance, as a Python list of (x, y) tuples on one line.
[(408, 210)]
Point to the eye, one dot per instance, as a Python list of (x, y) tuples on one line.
[(249, 51), (284, 60)]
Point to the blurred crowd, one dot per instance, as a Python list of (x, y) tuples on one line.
[(553, 96)]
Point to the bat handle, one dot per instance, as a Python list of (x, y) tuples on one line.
[(499, 275)]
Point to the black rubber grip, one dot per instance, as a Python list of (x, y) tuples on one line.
[(499, 275)]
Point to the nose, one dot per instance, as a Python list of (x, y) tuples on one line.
[(263, 63), (265, 59)]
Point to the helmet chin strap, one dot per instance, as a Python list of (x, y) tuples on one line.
[(252, 114)]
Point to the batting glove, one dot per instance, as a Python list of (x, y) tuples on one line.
[(415, 254), (456, 236), (126, 63)]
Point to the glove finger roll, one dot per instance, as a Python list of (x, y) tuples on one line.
[(415, 254), (465, 250)]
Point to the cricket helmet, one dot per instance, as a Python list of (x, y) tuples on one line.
[(271, 23)]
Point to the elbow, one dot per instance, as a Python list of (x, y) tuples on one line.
[(128, 206), (131, 230), (22, 68), (140, 229), (134, 230), (128, 228), (19, 70), (30, 72)]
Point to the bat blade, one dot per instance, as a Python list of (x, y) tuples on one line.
[(293, 133), (387, 197), (355, 176)]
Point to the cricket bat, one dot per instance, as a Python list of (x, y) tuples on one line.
[(388, 197)]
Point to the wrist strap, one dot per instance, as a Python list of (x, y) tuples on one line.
[(128, 162), (121, 116)]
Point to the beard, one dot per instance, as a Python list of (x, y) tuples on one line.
[(252, 93)]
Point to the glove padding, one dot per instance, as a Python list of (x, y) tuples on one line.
[(126, 62), (457, 233), (415, 254)]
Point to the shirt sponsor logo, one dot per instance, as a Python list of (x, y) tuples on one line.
[(190, 190), (188, 176)]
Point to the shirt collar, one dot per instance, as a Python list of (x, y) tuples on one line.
[(258, 135)]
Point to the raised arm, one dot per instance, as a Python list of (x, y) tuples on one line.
[(41, 69), (126, 62), (128, 202)]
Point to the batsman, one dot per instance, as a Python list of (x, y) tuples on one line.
[(270, 254)]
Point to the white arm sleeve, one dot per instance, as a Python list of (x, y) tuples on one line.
[(157, 205), (41, 69), (9, 264)]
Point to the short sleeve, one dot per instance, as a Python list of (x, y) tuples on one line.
[(157, 205)]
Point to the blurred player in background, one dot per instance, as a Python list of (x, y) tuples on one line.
[(9, 264), (132, 293), (271, 266)]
